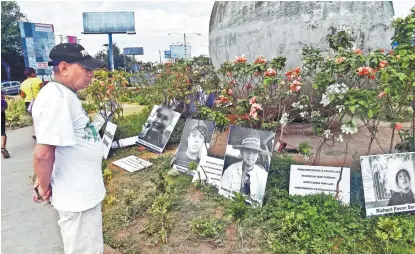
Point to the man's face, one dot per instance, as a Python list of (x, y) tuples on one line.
[(249, 156), (79, 76), (161, 120), (403, 180), (195, 141)]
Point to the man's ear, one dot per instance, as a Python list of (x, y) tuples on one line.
[(64, 68)]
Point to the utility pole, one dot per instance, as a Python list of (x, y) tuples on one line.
[(160, 55)]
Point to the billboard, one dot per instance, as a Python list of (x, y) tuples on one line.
[(37, 41), (72, 39), (178, 51), (167, 54), (138, 51), (108, 22)]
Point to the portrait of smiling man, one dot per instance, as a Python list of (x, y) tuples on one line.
[(68, 155), (156, 130)]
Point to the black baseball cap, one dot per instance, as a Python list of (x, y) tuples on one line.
[(73, 53)]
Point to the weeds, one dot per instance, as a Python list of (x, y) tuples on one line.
[(206, 227)]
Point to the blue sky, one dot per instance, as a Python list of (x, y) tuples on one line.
[(153, 21)]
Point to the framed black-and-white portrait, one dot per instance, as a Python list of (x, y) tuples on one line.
[(389, 183), (194, 143), (247, 161), (158, 128)]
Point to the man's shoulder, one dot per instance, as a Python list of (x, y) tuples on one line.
[(54, 89), (235, 166)]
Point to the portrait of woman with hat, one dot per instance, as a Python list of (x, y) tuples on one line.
[(247, 176)]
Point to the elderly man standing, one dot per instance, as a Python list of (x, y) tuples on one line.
[(68, 154), (246, 176)]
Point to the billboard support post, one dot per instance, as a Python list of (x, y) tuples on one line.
[(185, 48), (111, 56)]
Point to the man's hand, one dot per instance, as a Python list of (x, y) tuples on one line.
[(44, 194)]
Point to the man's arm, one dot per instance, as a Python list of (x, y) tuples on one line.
[(22, 94), (43, 159)]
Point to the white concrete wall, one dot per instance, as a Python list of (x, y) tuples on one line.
[(282, 28)]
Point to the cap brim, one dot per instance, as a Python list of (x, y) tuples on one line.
[(259, 150), (91, 63)]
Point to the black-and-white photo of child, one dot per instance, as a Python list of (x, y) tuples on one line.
[(247, 162), (388, 182), (194, 143), (158, 128)]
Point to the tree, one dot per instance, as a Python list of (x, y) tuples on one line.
[(120, 60), (202, 60), (11, 49)]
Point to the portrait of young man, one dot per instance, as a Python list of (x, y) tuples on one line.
[(194, 143), (155, 131), (248, 172)]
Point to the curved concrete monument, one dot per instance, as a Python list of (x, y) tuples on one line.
[(283, 28)]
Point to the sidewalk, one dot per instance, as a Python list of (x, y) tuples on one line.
[(26, 227)]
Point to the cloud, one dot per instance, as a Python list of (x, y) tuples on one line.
[(153, 21)]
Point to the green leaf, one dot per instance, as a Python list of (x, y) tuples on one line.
[(370, 114), (402, 52), (387, 90), (405, 64), (352, 108)]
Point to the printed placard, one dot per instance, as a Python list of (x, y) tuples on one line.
[(108, 137), (194, 144), (247, 163), (98, 122), (158, 128), (132, 163), (309, 180), (388, 183)]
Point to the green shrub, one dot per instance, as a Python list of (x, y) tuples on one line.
[(206, 227), (129, 126), (16, 115)]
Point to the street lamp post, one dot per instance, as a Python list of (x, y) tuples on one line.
[(185, 44)]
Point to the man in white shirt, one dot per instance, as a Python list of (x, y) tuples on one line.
[(68, 154), (246, 176)]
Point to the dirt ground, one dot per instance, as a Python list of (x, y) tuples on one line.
[(332, 154)]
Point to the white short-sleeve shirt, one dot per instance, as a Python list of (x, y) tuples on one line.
[(60, 121)]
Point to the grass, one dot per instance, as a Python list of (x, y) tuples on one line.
[(150, 211)]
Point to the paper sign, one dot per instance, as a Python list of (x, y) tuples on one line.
[(98, 122), (108, 137), (209, 170), (132, 163), (309, 180)]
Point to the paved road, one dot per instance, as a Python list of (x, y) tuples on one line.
[(26, 227)]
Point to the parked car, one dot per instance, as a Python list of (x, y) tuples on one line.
[(10, 87)]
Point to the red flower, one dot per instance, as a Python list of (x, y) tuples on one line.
[(340, 60), (358, 51), (223, 99), (391, 52), (381, 95), (295, 88), (232, 82), (187, 68), (256, 74), (362, 71), (240, 59), (252, 100), (260, 60), (229, 74), (270, 73), (382, 50), (230, 92), (383, 64), (398, 126)]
